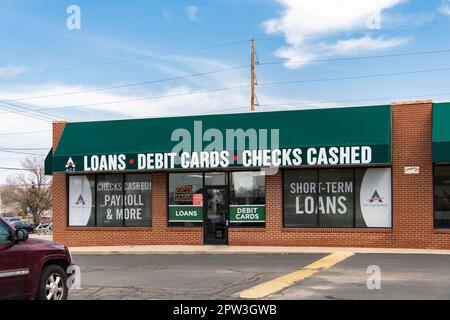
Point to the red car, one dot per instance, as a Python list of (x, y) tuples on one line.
[(32, 268)]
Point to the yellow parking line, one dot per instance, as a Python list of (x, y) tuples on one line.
[(264, 289)]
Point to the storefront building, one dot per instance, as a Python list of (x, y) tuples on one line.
[(376, 176)]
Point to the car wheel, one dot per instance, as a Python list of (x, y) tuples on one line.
[(53, 284)]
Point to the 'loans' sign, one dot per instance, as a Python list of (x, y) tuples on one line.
[(186, 213)]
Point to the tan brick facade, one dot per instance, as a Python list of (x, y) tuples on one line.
[(412, 208)]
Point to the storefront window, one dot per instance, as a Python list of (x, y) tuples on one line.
[(247, 199), (82, 201), (113, 200), (185, 199), (109, 200), (337, 198), (373, 203), (442, 196), (335, 201), (216, 178), (300, 196), (138, 200)]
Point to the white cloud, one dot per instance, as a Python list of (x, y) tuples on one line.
[(444, 8), (191, 13), (11, 71), (308, 26), (355, 45)]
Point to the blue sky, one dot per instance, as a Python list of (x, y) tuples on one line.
[(35, 40)]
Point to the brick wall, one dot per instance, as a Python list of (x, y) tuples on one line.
[(412, 204), (413, 194)]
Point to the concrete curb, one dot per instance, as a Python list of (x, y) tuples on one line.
[(208, 249)]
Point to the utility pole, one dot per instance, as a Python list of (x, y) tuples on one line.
[(252, 99)]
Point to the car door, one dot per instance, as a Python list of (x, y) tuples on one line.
[(14, 265)]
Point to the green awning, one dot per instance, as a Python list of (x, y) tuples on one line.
[(48, 163), (324, 128), (441, 132)]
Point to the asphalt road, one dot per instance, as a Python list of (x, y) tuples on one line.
[(402, 277), (220, 276)]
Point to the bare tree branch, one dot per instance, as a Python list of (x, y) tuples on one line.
[(29, 192)]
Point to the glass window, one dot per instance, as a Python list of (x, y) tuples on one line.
[(110, 200), (216, 178), (300, 196), (337, 198), (442, 196), (5, 237), (81, 201), (138, 200), (247, 199), (185, 199), (373, 203)]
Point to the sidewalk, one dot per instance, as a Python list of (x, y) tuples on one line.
[(210, 249)]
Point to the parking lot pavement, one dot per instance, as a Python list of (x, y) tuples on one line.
[(402, 277), (217, 276), (180, 276)]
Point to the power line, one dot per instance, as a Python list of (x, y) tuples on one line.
[(21, 152), (226, 69), (174, 53), (147, 98), (247, 85), (135, 84), (22, 113), (358, 58), (353, 77), (10, 168), (203, 113), (6, 148), (243, 86), (294, 103), (23, 132), (25, 111)]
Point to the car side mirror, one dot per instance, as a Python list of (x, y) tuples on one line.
[(21, 235)]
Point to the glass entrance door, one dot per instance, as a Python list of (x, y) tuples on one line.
[(216, 208)]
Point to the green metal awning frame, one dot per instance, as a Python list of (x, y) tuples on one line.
[(48, 163), (441, 132)]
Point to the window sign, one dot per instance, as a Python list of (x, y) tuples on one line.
[(247, 213), (373, 198), (185, 199), (138, 200), (337, 198), (109, 200), (113, 200), (247, 199), (81, 201)]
